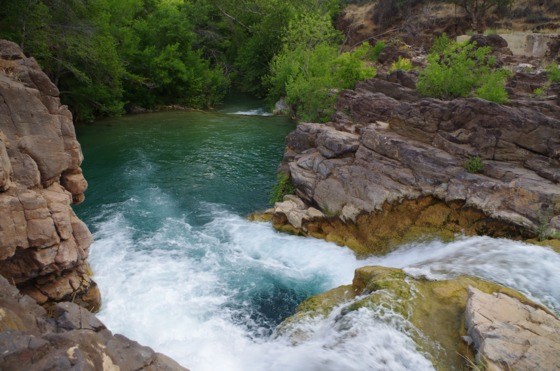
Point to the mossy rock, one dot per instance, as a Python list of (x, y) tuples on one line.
[(383, 231), (434, 309)]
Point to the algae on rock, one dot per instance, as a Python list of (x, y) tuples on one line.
[(430, 312)]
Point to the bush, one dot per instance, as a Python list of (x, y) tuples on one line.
[(376, 51), (553, 72), (493, 89), (282, 187), (403, 64), (474, 165), (457, 69), (310, 70)]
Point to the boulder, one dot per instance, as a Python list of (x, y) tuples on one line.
[(67, 337), (510, 335), (432, 313)]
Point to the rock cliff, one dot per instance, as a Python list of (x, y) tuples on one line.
[(43, 244), (392, 164)]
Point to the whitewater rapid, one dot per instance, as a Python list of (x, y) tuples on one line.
[(203, 294)]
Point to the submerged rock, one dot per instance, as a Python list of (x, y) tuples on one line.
[(432, 313), (65, 337), (43, 245)]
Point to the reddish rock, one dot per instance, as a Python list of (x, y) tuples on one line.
[(43, 245)]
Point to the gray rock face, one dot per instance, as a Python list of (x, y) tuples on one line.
[(43, 244), (68, 337), (387, 145), (509, 335)]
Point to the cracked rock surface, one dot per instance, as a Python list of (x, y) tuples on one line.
[(66, 337), (510, 335), (387, 145), (43, 244)]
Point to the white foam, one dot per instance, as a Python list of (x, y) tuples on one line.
[(253, 112), (172, 290)]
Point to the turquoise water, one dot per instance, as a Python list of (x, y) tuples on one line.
[(181, 270)]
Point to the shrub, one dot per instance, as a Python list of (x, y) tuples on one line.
[(493, 89), (403, 64), (553, 72), (282, 187), (310, 70), (376, 51), (539, 92), (474, 165), (457, 69)]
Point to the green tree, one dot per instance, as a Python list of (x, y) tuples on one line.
[(310, 70)]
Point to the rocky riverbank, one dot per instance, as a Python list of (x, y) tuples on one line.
[(393, 166), (43, 244)]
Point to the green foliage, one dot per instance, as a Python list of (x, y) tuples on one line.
[(441, 44), (457, 69), (403, 64), (544, 231), (474, 165), (376, 51), (282, 188), (310, 70), (257, 29), (539, 92), (103, 54), (493, 88), (165, 67), (553, 72)]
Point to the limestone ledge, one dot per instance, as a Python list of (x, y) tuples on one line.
[(391, 164)]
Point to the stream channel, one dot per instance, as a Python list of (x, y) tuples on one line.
[(181, 270)]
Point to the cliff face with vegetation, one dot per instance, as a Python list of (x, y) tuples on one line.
[(393, 165)]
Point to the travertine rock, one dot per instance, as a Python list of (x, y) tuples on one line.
[(43, 245), (510, 335)]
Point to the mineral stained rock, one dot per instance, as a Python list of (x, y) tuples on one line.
[(449, 320)]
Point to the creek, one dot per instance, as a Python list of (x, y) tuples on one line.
[(181, 270)]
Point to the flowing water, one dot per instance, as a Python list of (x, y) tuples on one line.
[(182, 271)]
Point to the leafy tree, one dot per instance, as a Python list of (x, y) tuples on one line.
[(310, 70)]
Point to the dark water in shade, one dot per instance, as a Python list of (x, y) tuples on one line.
[(182, 271)]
